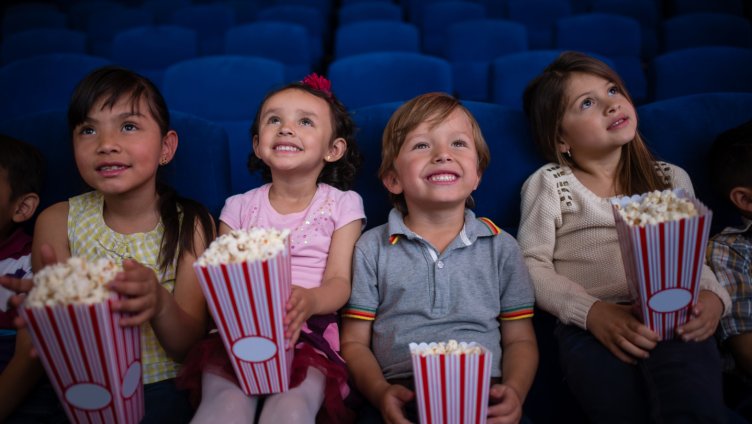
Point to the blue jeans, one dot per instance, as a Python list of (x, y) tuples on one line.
[(166, 404), (679, 383)]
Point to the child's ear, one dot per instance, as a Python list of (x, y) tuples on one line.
[(169, 147), (255, 142), (562, 145), (392, 182), (24, 207), (741, 197), (337, 149)]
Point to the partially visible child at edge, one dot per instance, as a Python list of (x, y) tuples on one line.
[(21, 176), (584, 122), (435, 272), (304, 147), (121, 136), (730, 257)]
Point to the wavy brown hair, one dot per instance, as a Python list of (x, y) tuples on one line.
[(545, 102)]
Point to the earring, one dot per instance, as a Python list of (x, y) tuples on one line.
[(162, 161), (328, 157), (568, 153)]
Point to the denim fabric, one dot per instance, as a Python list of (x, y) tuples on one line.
[(679, 383), (165, 404)]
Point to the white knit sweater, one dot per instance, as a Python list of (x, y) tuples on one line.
[(568, 236)]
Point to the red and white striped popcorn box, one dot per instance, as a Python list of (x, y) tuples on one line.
[(247, 301), (94, 363), (663, 263), (451, 388)]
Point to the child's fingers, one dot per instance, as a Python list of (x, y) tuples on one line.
[(135, 320), (134, 305), (16, 285)]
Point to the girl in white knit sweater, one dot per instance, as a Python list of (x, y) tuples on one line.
[(583, 121)]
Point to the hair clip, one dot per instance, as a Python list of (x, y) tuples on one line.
[(318, 82)]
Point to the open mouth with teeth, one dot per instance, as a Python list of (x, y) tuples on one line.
[(287, 148), (443, 178), (111, 168), (618, 122)]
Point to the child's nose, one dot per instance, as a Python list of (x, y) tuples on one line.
[(442, 155), (285, 130), (107, 144)]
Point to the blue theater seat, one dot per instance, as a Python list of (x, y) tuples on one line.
[(438, 16), (511, 73), (700, 70), (284, 42), (680, 130), (369, 11), (705, 29), (539, 16), (34, 42), (149, 50), (103, 25), (226, 90), (374, 78), (308, 16), (42, 82), (210, 21), (375, 36), (472, 45), (23, 19), (646, 12)]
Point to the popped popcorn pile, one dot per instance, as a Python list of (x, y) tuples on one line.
[(656, 207), (73, 281), (452, 347), (256, 244)]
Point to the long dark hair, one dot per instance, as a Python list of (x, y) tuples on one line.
[(545, 103), (109, 84), (340, 174)]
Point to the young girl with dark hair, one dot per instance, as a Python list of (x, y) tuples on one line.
[(304, 146), (121, 134)]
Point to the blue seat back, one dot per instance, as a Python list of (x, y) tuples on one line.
[(706, 29), (284, 42), (41, 41), (369, 11), (42, 82), (438, 16), (375, 36), (374, 78)]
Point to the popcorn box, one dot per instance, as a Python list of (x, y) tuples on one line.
[(94, 363), (663, 263), (247, 301), (451, 388)]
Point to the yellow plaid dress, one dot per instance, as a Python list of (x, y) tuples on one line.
[(90, 237)]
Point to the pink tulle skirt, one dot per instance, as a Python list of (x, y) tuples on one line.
[(312, 350)]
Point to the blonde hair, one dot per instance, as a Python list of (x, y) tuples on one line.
[(545, 104), (432, 108)]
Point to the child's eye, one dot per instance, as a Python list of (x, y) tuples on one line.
[(129, 127), (306, 122), (586, 104), (86, 131), (613, 90), (420, 145), (273, 120), (459, 143)]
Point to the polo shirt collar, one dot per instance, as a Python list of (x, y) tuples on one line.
[(471, 230)]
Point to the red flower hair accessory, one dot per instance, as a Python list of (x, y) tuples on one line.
[(318, 82)]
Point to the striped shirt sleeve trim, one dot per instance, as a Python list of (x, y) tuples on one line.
[(517, 313), (359, 313)]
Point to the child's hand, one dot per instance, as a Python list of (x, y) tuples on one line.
[(392, 401), (616, 327), (704, 320), (18, 286), (300, 307), (504, 405), (139, 284)]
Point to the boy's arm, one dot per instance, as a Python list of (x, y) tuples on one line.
[(51, 229), (518, 365), (366, 372), (19, 377)]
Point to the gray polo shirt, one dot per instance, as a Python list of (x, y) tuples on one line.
[(415, 294)]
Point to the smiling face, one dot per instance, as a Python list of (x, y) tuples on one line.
[(437, 165), (598, 118), (118, 149), (295, 134)]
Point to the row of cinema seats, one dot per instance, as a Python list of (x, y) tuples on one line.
[(218, 88), (679, 130), (469, 35)]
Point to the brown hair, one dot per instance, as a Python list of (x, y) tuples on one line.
[(432, 108), (545, 103), (110, 84)]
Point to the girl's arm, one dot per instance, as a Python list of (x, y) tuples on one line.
[(366, 372), (518, 365), (51, 230), (335, 285), (178, 319), (20, 376)]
